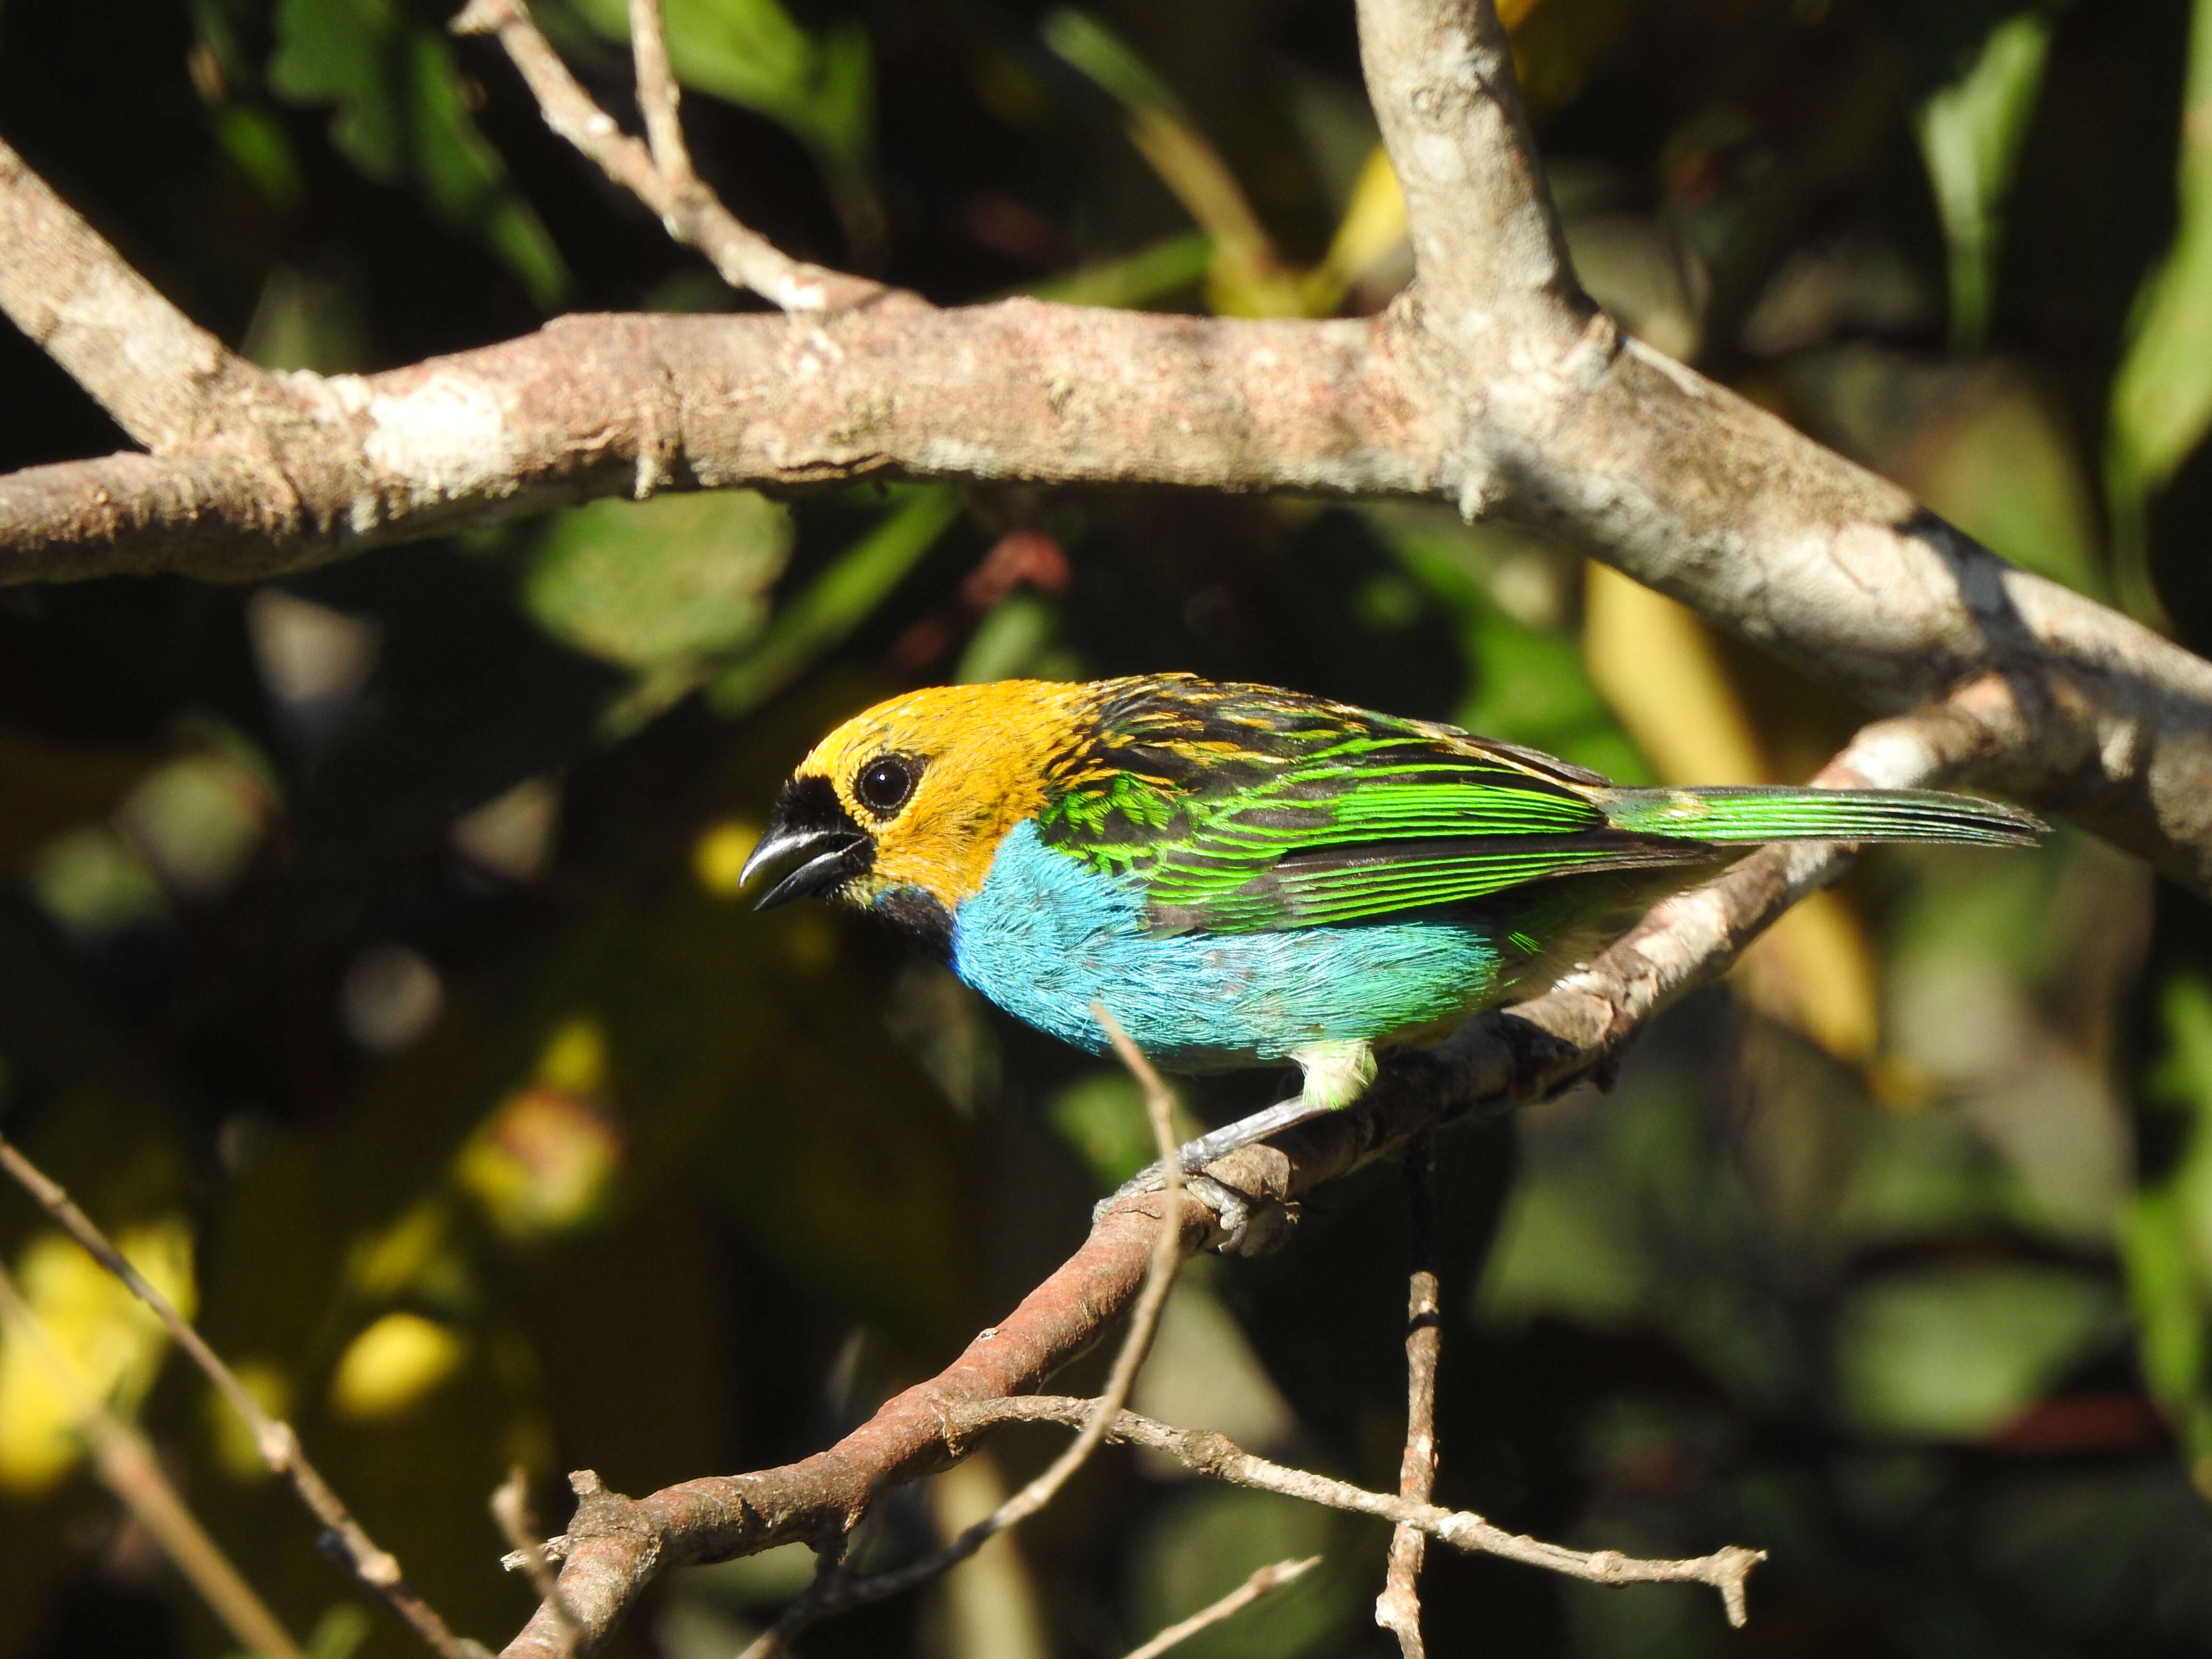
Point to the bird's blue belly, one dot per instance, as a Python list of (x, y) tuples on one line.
[(1045, 938)]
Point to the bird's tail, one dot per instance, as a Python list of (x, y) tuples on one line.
[(1790, 814)]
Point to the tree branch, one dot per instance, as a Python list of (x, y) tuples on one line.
[(1216, 1455), (1265, 1581), (1493, 385), (659, 99), (661, 176), (510, 1508), (1398, 1609), (1534, 409), (1488, 252), (600, 405), (615, 1545)]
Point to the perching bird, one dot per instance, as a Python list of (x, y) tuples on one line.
[(1240, 874)]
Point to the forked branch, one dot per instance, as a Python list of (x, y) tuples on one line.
[(1494, 384), (1205, 1452), (658, 172)]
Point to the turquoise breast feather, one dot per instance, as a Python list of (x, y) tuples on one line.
[(1047, 937)]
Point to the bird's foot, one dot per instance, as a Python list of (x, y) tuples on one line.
[(1232, 1211), (1334, 1074), (1193, 1157)]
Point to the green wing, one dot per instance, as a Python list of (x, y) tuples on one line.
[(1241, 808)]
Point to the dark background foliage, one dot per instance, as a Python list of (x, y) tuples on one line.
[(368, 957)]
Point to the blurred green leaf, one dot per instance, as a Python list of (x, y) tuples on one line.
[(1970, 137), (258, 146), (751, 1581), (2167, 1233), (1017, 639), (93, 883), (1565, 1250), (1100, 1117), (339, 1633), (1089, 44), (838, 599), (1246, 277), (659, 584), (2162, 395), (1202, 1373), (2000, 464), (1952, 1353), (401, 114), (197, 822)]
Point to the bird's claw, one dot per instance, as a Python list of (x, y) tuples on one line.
[(1233, 1210)]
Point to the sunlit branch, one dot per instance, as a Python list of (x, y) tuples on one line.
[(1265, 1581), (510, 1508), (1215, 1456), (660, 175), (1398, 1609)]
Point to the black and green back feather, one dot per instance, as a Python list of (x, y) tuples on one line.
[(1244, 808)]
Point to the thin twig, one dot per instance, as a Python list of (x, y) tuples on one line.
[(1398, 1609), (1264, 1581), (130, 1468), (659, 96), (377, 1569), (839, 1589), (1218, 1456), (510, 1508), (692, 214)]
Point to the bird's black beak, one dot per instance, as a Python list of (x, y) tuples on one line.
[(808, 819)]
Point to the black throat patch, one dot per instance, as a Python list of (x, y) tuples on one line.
[(921, 917)]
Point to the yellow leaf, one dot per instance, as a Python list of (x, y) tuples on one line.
[(718, 858), (542, 1163), (393, 1365), (575, 1060), (112, 1340), (1373, 226), (1655, 663)]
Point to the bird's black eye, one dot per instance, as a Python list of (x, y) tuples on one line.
[(884, 783)]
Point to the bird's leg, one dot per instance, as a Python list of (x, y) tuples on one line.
[(1335, 1075)]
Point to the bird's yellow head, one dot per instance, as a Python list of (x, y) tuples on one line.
[(902, 808)]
